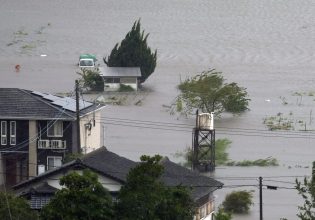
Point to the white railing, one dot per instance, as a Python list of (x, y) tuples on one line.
[(52, 144)]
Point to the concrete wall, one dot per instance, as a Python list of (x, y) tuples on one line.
[(90, 129)]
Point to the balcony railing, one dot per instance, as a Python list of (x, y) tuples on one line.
[(52, 144)]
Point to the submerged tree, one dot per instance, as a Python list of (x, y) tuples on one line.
[(221, 156), (307, 191), (208, 92), (15, 208), (133, 51), (82, 197), (91, 79), (144, 196), (238, 201), (222, 215)]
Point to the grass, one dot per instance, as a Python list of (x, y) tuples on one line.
[(279, 122), (269, 161), (125, 88), (222, 157), (20, 32)]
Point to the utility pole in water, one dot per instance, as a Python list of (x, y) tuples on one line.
[(78, 115), (260, 199)]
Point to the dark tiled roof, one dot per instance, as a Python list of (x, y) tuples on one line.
[(44, 188), (117, 167), (175, 175), (23, 104), (108, 163)]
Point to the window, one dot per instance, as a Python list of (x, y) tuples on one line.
[(3, 133), (53, 162), (12, 132), (112, 80), (54, 129)]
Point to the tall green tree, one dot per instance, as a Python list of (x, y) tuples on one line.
[(307, 190), (15, 208), (144, 196), (133, 51), (208, 92), (82, 197)]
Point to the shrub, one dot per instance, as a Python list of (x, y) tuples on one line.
[(238, 201)]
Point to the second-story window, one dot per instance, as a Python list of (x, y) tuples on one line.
[(3, 133), (55, 129), (12, 133)]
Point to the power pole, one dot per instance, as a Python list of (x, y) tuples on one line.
[(78, 115), (260, 199)]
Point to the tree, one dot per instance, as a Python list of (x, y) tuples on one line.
[(307, 191), (208, 92), (91, 79), (221, 156), (238, 201), (15, 208), (82, 198), (222, 215), (133, 51), (144, 196)]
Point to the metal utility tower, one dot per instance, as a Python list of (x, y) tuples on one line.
[(203, 157)]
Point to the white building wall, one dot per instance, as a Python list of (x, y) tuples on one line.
[(110, 184), (90, 129)]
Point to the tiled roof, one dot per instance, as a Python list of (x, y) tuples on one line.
[(112, 165), (109, 163), (24, 104)]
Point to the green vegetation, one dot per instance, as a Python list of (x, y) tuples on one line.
[(222, 157), (125, 88), (307, 190), (208, 92), (15, 208), (71, 157), (270, 161), (144, 196), (222, 215), (91, 79), (133, 51), (238, 201), (20, 32), (279, 122), (82, 197)]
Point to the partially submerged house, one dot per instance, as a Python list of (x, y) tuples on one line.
[(38, 130), (114, 77), (112, 171)]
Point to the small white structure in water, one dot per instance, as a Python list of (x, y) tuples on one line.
[(114, 77)]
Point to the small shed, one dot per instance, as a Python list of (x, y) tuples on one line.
[(114, 77)]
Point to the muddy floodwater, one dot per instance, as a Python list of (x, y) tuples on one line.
[(266, 46)]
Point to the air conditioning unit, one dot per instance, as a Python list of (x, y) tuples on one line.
[(43, 144), (57, 144)]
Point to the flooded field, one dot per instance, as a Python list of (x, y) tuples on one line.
[(266, 46)]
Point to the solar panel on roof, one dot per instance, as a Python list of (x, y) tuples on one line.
[(64, 102), (39, 93)]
